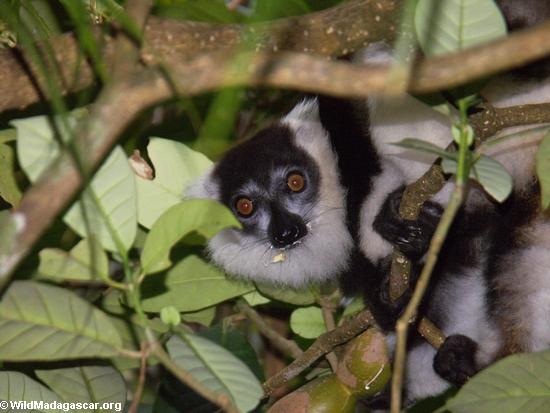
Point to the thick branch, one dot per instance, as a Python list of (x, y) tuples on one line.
[(323, 345), (332, 32)]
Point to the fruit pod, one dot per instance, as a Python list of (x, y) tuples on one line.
[(322, 395), (365, 367)]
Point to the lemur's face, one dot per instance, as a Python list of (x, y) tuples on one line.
[(272, 186), (289, 201)]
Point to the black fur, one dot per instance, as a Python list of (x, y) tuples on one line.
[(346, 121), (412, 238), (255, 160)]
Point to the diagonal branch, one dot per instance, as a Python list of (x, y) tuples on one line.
[(331, 32)]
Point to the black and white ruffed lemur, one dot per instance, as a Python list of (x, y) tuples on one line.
[(318, 192)]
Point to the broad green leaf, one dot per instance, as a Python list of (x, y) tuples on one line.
[(308, 322), (59, 265), (287, 295), (9, 190), (204, 316), (86, 384), (15, 386), (176, 165), (519, 383), (109, 201), (424, 146), (543, 170), (255, 298), (37, 146), (217, 369), (110, 204), (201, 215), (493, 177), (232, 339), (444, 26), (490, 174), (192, 284), (43, 322)]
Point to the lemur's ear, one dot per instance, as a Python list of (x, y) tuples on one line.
[(307, 110), (203, 187)]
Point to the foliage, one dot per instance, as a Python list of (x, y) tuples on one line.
[(125, 270)]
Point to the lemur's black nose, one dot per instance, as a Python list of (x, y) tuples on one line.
[(285, 228), (288, 235)]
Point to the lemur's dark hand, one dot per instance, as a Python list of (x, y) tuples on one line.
[(455, 359), (412, 238)]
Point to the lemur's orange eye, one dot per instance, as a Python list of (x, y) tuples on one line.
[(295, 182), (244, 207)]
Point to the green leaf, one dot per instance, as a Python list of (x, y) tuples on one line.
[(444, 26), (86, 384), (110, 203), (37, 146), (308, 322), (217, 369), (176, 165), (201, 215), (543, 170), (254, 298), (357, 304), (424, 146), (287, 295), (517, 383), (493, 177), (43, 322), (8, 135), (490, 174), (192, 284), (204, 316), (232, 339), (77, 265), (9, 190), (15, 386)]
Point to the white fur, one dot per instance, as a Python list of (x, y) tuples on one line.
[(371, 243), (530, 303), (465, 312), (203, 187)]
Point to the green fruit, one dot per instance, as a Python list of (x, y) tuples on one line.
[(323, 395), (365, 367)]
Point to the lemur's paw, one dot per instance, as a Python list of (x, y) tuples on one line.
[(385, 310), (455, 359), (412, 238)]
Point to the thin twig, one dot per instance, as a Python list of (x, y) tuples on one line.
[(284, 345), (421, 286), (141, 380), (327, 311), (436, 244), (324, 344)]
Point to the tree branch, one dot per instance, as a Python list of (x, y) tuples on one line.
[(323, 345), (331, 32)]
